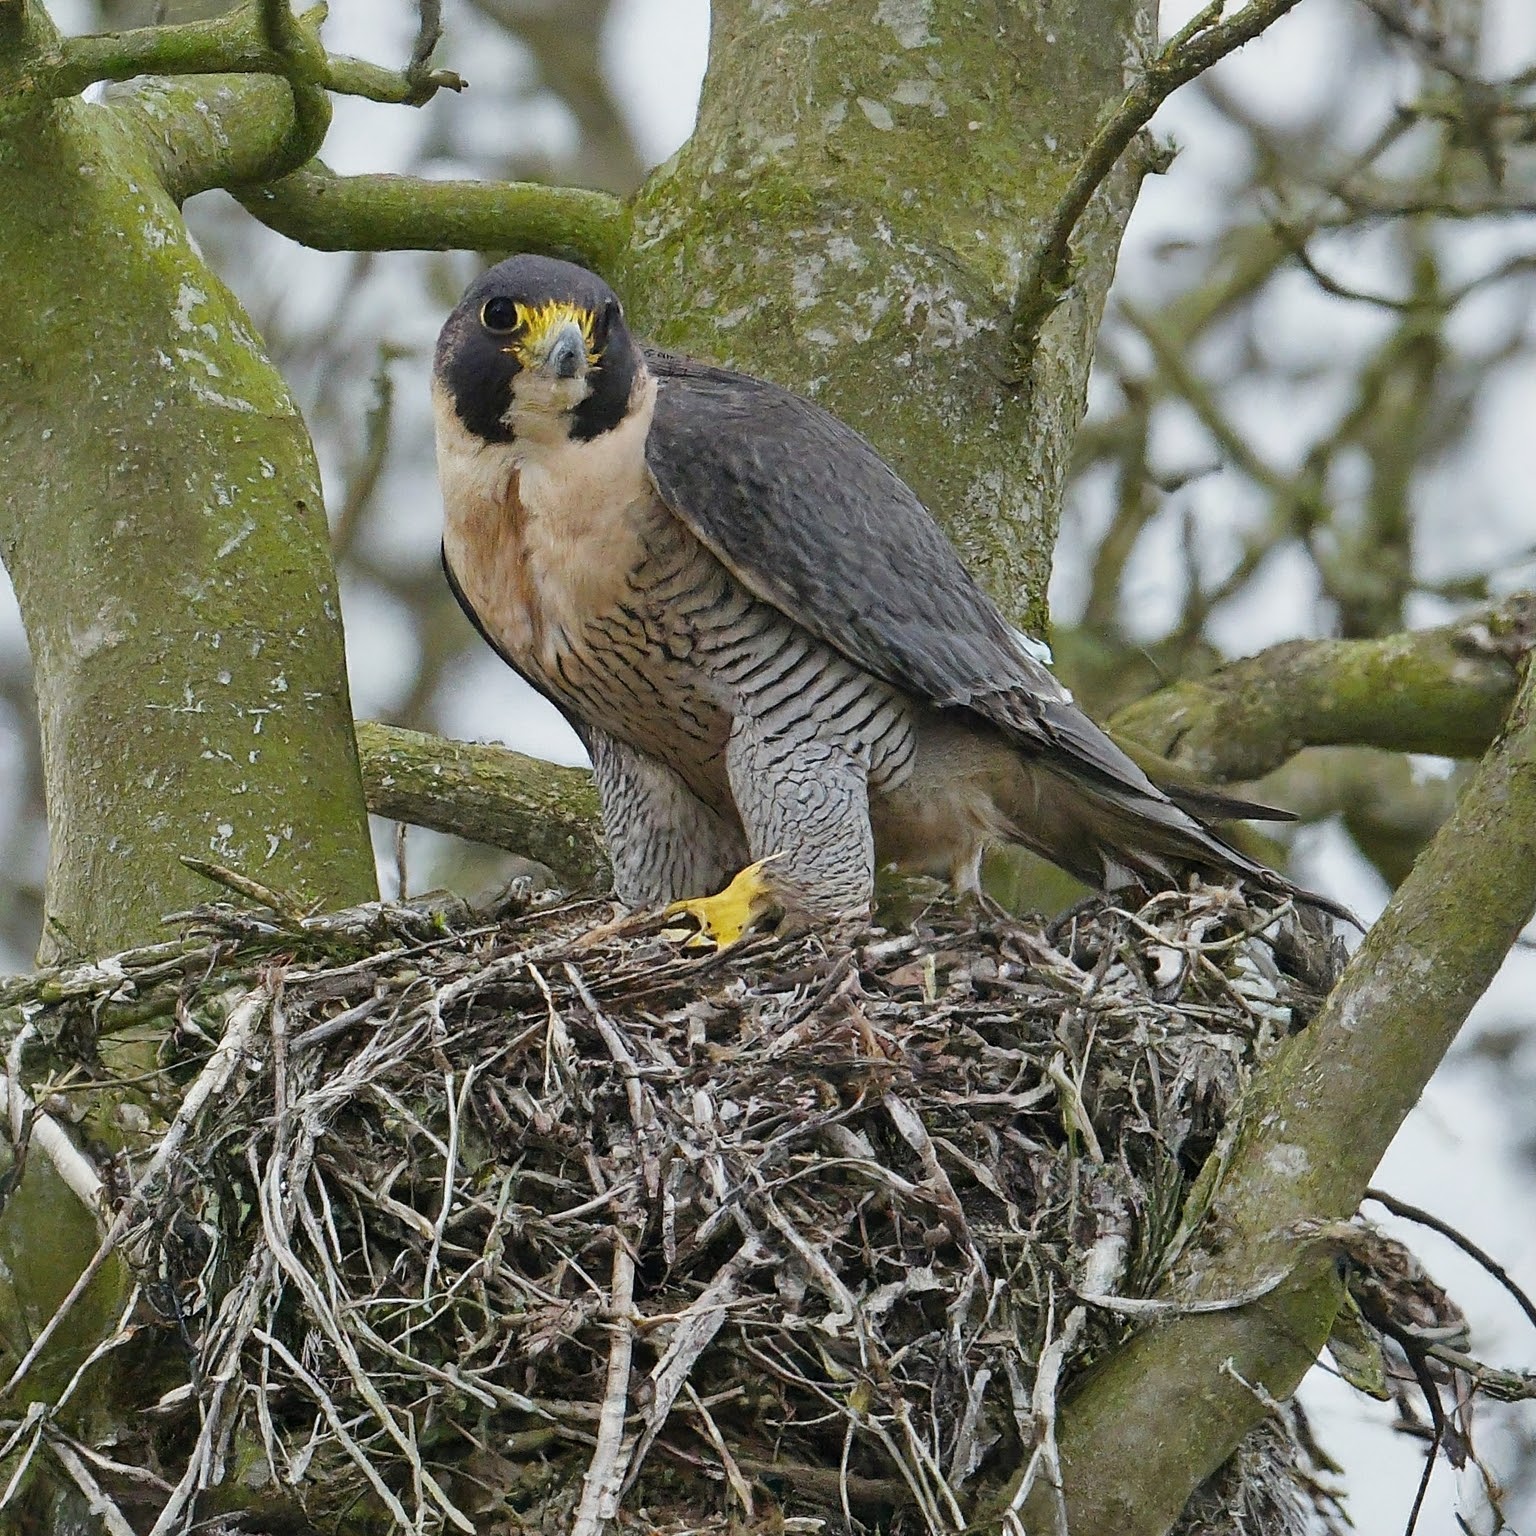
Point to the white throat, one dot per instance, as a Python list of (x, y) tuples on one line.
[(551, 468), (564, 474), (542, 533)]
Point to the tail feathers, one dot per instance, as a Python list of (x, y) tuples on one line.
[(1211, 805), (1112, 836)]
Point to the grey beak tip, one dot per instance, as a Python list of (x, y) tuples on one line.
[(568, 354)]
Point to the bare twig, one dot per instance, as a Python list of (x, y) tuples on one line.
[(1200, 44), (69, 1162), (99, 1503), (605, 1475), (1425, 1218)]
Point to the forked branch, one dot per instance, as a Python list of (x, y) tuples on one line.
[(1191, 51)]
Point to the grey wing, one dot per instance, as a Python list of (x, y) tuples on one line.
[(808, 516)]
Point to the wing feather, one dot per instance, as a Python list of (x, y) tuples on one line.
[(807, 515)]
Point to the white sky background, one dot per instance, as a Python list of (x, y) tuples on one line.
[(1456, 1155)]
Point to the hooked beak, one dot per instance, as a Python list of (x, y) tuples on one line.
[(557, 342), (565, 356)]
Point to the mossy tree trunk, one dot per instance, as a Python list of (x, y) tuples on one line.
[(163, 526), (164, 529), (852, 216)]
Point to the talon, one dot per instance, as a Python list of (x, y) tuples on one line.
[(725, 916)]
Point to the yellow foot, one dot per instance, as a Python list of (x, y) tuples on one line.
[(725, 916)]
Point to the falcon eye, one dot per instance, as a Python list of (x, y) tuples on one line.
[(499, 315)]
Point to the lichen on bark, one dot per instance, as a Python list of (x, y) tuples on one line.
[(851, 217), (165, 534)]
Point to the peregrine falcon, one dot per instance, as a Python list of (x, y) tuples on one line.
[(769, 648)]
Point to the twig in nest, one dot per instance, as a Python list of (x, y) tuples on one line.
[(363, 1461), (815, 1165), (691, 1335), (600, 1487), (1046, 1457), (211, 1080), (1155, 1307), (99, 1502), (30, 1428), (288, 907), (738, 1484), (28, 1122)]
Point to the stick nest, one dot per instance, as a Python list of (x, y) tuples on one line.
[(528, 1226)]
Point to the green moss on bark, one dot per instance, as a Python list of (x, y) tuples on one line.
[(488, 794), (851, 218), (165, 534), (1435, 690), (392, 213)]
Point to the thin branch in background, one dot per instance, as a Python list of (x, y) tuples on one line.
[(417, 83), (1135, 507), (1431, 46), (1431, 1456), (1191, 51), (363, 476), (1296, 244), (1503, 1385), (1299, 501), (1425, 1218), (1435, 304)]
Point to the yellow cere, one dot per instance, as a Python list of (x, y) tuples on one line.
[(536, 323)]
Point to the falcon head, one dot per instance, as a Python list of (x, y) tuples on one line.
[(537, 350)]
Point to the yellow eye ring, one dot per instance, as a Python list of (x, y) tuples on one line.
[(501, 316)]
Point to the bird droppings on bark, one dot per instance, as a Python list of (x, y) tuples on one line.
[(543, 1223)]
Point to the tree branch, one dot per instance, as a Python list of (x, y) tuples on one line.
[(1389, 810), (236, 43), (234, 131), (377, 213), (229, 128), (1433, 690), (244, 41), (489, 795), (213, 130), (1048, 269), (226, 124), (1317, 1123)]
